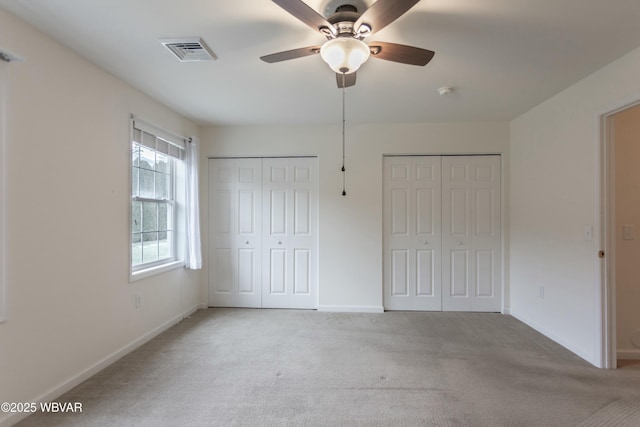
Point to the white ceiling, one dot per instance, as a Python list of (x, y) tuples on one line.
[(503, 57)]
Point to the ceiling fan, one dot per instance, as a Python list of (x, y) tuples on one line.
[(345, 31)]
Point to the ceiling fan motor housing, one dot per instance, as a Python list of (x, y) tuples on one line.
[(346, 8), (344, 18)]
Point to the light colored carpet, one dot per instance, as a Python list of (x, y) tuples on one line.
[(619, 413), (239, 367)]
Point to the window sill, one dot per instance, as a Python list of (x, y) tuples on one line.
[(153, 271)]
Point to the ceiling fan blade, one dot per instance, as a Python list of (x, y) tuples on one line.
[(291, 54), (401, 53), (349, 80), (304, 13), (382, 13)]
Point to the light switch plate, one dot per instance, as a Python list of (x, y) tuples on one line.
[(628, 232)]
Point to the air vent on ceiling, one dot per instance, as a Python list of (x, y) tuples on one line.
[(189, 49)]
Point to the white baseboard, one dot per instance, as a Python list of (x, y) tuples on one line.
[(589, 357), (351, 308), (100, 365), (628, 354)]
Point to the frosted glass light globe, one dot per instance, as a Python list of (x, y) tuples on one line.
[(344, 54)]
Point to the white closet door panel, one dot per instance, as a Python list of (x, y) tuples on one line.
[(458, 213), (247, 212), (400, 212), (471, 241), (427, 174), (484, 274), (425, 274), (278, 214), (425, 211), (484, 213), (459, 274), (221, 264), (235, 232), (302, 212), (277, 272), (397, 241), (302, 272), (487, 235), (290, 238), (222, 219), (246, 271), (456, 235), (412, 233), (400, 273)]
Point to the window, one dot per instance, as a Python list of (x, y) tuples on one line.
[(156, 163), (152, 206)]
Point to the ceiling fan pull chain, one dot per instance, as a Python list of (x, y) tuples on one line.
[(344, 189)]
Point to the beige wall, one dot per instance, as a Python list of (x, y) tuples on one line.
[(554, 198), (627, 212), (70, 305), (350, 239)]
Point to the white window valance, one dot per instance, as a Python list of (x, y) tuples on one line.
[(156, 138)]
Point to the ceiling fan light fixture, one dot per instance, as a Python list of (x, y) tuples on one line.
[(344, 54)]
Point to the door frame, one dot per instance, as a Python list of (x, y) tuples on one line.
[(605, 266)]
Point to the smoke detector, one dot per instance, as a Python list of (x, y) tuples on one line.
[(189, 49), (445, 90)]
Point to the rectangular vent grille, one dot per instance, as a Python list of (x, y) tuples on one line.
[(189, 49)]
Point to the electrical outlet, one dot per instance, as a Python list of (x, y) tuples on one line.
[(588, 233), (628, 232), (138, 300)]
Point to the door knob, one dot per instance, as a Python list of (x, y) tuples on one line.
[(459, 243), (426, 242), (247, 242), (279, 243)]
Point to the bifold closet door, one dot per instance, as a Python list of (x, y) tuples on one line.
[(235, 232), (442, 233), (290, 221), (412, 233), (471, 233), (263, 225)]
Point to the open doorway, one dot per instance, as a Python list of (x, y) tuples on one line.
[(621, 226)]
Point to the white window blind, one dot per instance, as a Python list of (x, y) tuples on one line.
[(158, 139)]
